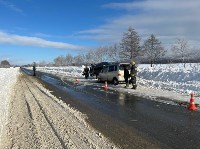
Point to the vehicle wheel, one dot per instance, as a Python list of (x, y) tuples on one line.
[(99, 80), (115, 81)]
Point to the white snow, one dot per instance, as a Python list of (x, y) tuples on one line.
[(173, 78), (173, 81), (8, 78), (67, 71)]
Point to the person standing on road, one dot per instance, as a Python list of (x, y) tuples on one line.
[(86, 72), (126, 76), (34, 69), (133, 75)]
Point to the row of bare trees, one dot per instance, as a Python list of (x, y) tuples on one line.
[(130, 48)]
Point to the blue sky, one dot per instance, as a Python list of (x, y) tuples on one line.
[(37, 30)]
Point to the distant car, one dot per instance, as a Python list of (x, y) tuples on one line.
[(113, 73)]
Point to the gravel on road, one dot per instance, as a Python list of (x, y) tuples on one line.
[(37, 119)]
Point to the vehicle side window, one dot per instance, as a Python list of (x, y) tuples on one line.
[(112, 68), (105, 70), (121, 67), (115, 68)]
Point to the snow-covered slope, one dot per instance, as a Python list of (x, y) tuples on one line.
[(174, 77), (8, 78)]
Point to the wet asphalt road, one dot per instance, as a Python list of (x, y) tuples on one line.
[(130, 121)]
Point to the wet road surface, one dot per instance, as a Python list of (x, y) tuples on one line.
[(130, 121)]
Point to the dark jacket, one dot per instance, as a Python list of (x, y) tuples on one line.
[(126, 73), (86, 70), (133, 71)]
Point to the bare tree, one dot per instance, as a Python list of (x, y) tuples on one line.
[(42, 63), (130, 45), (59, 61), (152, 49), (113, 53), (101, 54), (69, 59), (195, 55), (90, 56), (78, 60), (182, 50)]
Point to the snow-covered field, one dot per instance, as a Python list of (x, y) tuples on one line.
[(8, 78)]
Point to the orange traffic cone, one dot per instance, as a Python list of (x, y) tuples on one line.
[(106, 86), (192, 105)]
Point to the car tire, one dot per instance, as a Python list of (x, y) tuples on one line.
[(99, 80), (115, 81)]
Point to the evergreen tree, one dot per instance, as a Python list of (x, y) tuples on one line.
[(130, 45)]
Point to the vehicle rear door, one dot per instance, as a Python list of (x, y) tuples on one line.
[(121, 71)]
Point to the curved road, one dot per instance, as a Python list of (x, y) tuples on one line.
[(129, 121)]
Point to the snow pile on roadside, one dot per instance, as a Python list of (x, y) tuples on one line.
[(174, 77), (169, 80), (68, 71), (8, 78), (80, 116)]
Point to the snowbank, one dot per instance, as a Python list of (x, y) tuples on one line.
[(168, 80), (67, 70), (174, 77), (8, 78)]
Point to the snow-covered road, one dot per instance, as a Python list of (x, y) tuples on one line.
[(36, 119), (170, 81)]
